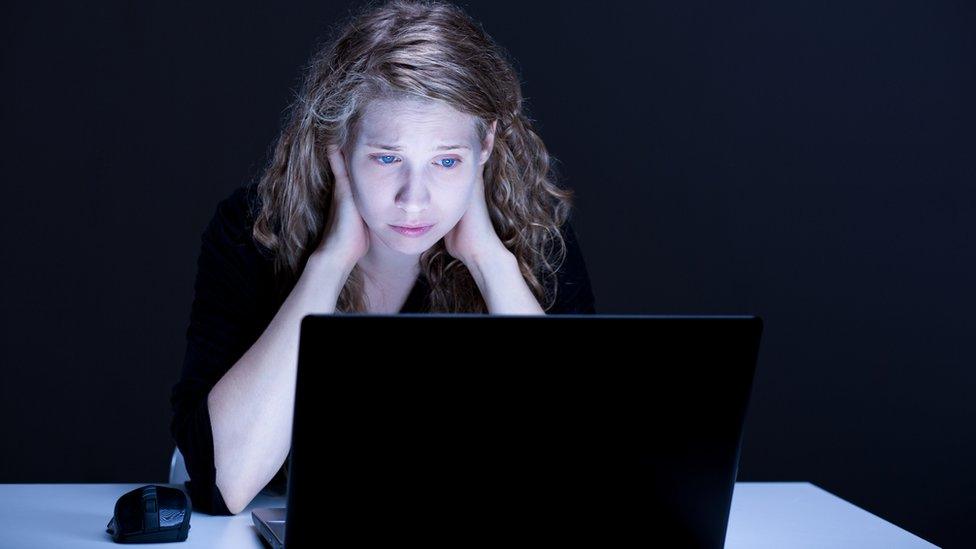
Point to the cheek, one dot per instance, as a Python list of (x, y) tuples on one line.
[(455, 202), (367, 205), (364, 193)]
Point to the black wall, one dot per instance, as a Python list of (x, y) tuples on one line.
[(811, 162)]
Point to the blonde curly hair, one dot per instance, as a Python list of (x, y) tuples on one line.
[(432, 50)]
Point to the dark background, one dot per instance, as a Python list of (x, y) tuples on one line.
[(811, 162)]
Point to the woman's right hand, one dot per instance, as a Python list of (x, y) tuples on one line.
[(346, 235)]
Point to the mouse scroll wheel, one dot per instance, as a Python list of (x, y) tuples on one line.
[(149, 500)]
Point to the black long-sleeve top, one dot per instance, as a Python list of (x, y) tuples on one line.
[(236, 294)]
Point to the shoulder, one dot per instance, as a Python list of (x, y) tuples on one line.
[(574, 293), (234, 215), (228, 248), (573, 263), (232, 222)]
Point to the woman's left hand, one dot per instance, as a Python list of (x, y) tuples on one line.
[(474, 237)]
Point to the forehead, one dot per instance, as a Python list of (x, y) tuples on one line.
[(415, 121)]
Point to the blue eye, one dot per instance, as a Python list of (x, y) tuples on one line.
[(449, 163)]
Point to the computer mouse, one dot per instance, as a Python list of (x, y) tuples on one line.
[(151, 514)]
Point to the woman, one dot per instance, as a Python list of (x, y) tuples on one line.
[(407, 179)]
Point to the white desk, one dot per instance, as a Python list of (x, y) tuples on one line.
[(773, 515)]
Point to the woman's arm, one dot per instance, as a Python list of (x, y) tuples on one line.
[(502, 285), (251, 406), (505, 291)]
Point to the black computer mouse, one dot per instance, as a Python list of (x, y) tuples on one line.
[(151, 514)]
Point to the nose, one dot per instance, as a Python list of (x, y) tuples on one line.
[(413, 195)]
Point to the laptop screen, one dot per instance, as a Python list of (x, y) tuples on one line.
[(460, 428)]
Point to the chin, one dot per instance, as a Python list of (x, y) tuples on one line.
[(412, 245)]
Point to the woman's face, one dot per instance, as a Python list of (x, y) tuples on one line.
[(414, 163)]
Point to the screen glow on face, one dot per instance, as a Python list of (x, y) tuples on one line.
[(413, 163)]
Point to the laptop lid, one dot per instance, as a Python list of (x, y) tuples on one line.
[(462, 429)]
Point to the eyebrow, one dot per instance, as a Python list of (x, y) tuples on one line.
[(398, 148)]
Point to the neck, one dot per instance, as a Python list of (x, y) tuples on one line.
[(384, 264)]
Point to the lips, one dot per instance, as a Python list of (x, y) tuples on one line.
[(415, 231), (414, 226)]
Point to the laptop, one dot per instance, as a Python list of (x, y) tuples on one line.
[(466, 429)]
